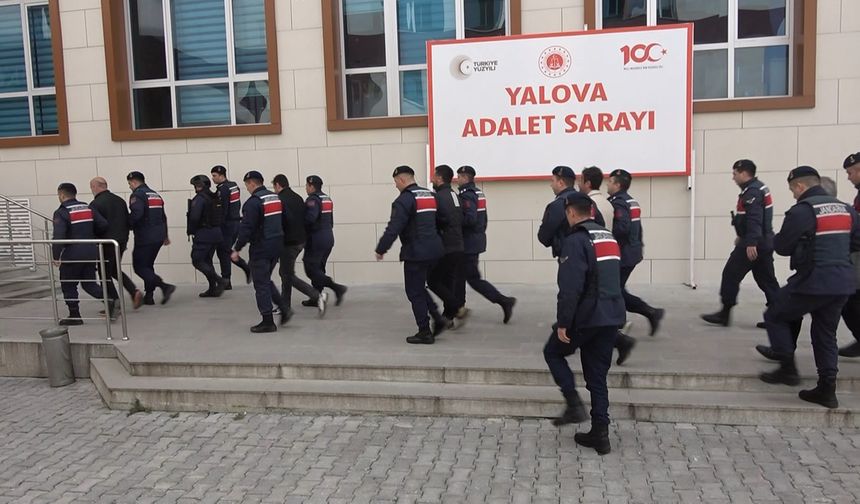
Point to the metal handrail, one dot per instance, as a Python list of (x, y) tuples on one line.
[(25, 207), (45, 232), (104, 278)]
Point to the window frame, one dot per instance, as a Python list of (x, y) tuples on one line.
[(121, 83), (62, 135), (801, 73), (335, 72)]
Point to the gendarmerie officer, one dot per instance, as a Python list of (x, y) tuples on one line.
[(149, 223), (851, 311), (230, 195), (74, 220), (474, 205), (819, 233), (261, 227), (205, 217), (442, 279), (294, 242), (753, 223), (553, 226), (413, 219), (115, 211), (589, 312), (627, 230), (319, 221)]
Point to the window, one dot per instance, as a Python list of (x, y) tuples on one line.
[(29, 82), (190, 68), (756, 51), (376, 53)]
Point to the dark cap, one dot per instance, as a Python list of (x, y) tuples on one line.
[(314, 180), (220, 170), (851, 160), (403, 169), (620, 173), (253, 175), (564, 172), (803, 171), (67, 187), (468, 170), (744, 165), (135, 175)]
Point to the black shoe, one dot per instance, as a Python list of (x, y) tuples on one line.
[(72, 319), (852, 350), (422, 337), (148, 299), (718, 318), (785, 374), (310, 303), (167, 290), (339, 292), (624, 344), (508, 308), (208, 293), (220, 287), (824, 394), (654, 318), (265, 326), (113, 309), (597, 438), (761, 325), (228, 285), (441, 325), (247, 270), (573, 413), (767, 352), (286, 315)]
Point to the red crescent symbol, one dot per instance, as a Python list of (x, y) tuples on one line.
[(648, 52)]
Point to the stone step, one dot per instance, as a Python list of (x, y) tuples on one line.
[(780, 406), (619, 377), (23, 293)]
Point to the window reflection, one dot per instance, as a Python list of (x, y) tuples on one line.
[(252, 102), (366, 95), (761, 71), (363, 33), (710, 74), (618, 13), (484, 18), (710, 17), (419, 21), (761, 18), (147, 39)]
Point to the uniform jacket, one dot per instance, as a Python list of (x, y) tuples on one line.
[(115, 212), (474, 205), (319, 223), (449, 218), (413, 219), (589, 279), (230, 196), (294, 213), (753, 220), (261, 225), (74, 220), (553, 227), (198, 219), (818, 233), (148, 220), (627, 228)]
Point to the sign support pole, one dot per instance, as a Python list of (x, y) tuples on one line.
[(691, 186)]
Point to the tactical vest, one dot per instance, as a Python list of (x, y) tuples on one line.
[(422, 223), (605, 275), (270, 226), (766, 203), (831, 245), (326, 217), (233, 201)]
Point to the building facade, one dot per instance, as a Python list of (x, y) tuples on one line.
[(337, 88)]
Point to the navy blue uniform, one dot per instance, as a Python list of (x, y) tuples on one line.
[(591, 308), (851, 311), (149, 223), (413, 220), (818, 233), (230, 196), (627, 230), (261, 227), (74, 220), (553, 226), (206, 236), (444, 276), (319, 224), (753, 223), (474, 205)]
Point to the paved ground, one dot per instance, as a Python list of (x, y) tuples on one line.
[(63, 445)]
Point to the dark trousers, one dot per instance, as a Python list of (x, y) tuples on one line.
[(851, 314), (264, 288), (595, 345), (415, 282), (143, 261), (785, 315), (315, 262), (443, 279), (114, 271), (736, 269), (634, 304), (472, 275), (289, 280), (201, 259), (229, 231), (71, 274)]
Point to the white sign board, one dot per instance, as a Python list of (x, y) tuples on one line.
[(515, 107)]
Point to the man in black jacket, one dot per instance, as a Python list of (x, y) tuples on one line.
[(294, 242), (115, 211), (442, 278)]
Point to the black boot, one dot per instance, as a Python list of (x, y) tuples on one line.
[(73, 319), (339, 292), (228, 285), (246, 269), (786, 373), (573, 413), (148, 299), (167, 290), (441, 324), (286, 315), (597, 438), (508, 308), (852, 350), (422, 337), (624, 344), (719, 318), (310, 303), (760, 325), (767, 352), (824, 394), (655, 316), (267, 325)]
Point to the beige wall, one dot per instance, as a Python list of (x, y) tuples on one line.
[(356, 166)]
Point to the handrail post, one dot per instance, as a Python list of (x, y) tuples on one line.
[(53, 278), (9, 226), (118, 259), (105, 279)]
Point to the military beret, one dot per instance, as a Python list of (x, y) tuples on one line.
[(563, 172), (851, 160), (314, 180), (620, 173), (220, 170), (68, 187), (135, 175), (468, 170), (803, 171), (253, 175), (403, 169), (744, 165)]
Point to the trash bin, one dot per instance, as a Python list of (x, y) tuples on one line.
[(58, 355)]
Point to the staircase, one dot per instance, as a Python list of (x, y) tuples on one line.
[(19, 284)]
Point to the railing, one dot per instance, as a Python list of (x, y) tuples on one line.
[(104, 278), (9, 226)]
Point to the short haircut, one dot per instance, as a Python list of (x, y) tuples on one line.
[(623, 180), (220, 170), (744, 165), (594, 176), (829, 186), (281, 180), (568, 181), (68, 189), (580, 205), (807, 180), (445, 172)]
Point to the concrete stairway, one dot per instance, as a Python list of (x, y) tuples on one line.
[(434, 390), (18, 284)]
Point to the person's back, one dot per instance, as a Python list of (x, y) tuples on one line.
[(115, 212)]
